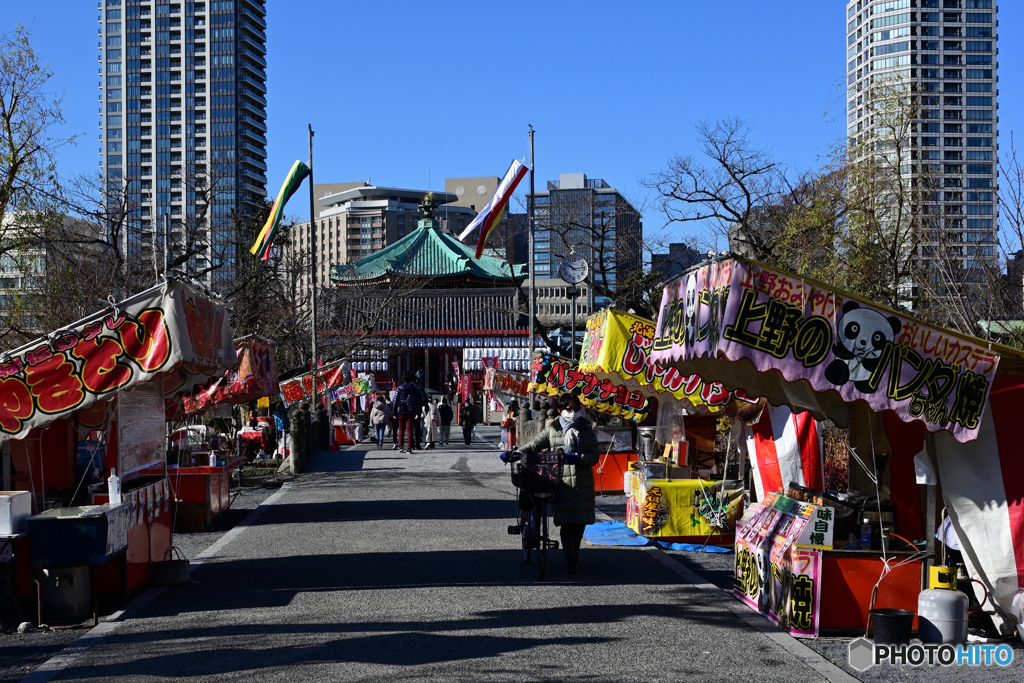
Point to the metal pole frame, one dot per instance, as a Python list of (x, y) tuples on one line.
[(312, 267)]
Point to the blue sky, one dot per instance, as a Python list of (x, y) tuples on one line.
[(407, 90)]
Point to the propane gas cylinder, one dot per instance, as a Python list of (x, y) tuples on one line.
[(942, 612)]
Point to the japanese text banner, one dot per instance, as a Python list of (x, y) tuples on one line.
[(505, 382), (551, 375), (169, 330), (301, 388), (617, 346), (735, 310)]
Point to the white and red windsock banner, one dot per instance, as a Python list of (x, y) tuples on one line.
[(784, 447), (983, 488)]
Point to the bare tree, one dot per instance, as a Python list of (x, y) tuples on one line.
[(729, 192)]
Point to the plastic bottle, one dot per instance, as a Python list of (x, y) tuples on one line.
[(865, 535), (114, 487)]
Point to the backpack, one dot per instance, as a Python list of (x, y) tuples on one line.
[(409, 399)]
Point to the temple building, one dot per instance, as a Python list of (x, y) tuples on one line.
[(424, 303)]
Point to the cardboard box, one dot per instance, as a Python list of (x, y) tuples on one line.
[(15, 508)]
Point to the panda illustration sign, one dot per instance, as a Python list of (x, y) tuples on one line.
[(734, 309), (862, 336)]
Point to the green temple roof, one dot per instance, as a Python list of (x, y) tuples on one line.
[(426, 252)]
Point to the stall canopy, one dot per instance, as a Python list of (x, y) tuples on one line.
[(170, 330), (335, 379), (801, 343), (255, 378), (617, 347), (552, 375), (814, 348)]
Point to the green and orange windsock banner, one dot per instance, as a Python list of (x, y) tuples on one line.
[(266, 237)]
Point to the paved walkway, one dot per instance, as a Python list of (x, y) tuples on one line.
[(385, 566)]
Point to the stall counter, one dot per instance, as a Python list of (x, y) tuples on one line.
[(149, 535), (199, 493), (666, 509)]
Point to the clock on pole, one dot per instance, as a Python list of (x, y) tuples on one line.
[(574, 269)]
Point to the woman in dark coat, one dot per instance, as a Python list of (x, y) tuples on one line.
[(573, 433)]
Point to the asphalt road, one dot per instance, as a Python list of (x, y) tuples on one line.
[(388, 566)]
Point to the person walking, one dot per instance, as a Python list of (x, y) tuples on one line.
[(380, 416), (467, 421), (407, 406), (444, 421), (430, 422), (573, 433)]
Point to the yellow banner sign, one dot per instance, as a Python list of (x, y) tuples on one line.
[(618, 345)]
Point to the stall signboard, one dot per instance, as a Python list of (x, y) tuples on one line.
[(770, 320), (618, 345), (505, 382), (301, 387), (552, 375), (773, 574), (820, 520), (360, 386), (255, 378), (169, 330), (659, 508)]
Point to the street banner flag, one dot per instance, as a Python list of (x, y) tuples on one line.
[(492, 214), (785, 447), (269, 232)]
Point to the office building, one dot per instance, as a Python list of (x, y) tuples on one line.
[(946, 51), (593, 220), (680, 258), (183, 124)]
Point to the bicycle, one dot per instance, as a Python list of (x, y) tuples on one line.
[(539, 477)]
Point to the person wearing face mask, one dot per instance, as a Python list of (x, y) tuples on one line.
[(571, 432)]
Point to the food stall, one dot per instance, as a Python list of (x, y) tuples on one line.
[(501, 387), (97, 387), (665, 501), (200, 474), (910, 393), (336, 383)]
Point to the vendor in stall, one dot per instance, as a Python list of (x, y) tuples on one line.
[(573, 433)]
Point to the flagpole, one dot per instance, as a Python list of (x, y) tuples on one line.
[(312, 262), (533, 279)]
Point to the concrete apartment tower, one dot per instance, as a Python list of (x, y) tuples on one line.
[(183, 114), (947, 50)]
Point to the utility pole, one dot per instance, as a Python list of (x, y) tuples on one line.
[(533, 277), (312, 262)]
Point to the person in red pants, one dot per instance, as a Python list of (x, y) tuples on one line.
[(408, 404)]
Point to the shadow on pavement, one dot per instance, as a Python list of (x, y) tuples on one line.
[(361, 511), (218, 589), (398, 649)]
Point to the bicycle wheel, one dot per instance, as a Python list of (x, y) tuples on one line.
[(526, 533), (542, 536)]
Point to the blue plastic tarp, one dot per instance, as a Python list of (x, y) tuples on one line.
[(617, 533)]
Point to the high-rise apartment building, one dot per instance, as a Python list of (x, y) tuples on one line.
[(944, 51), (183, 124), (593, 220)]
